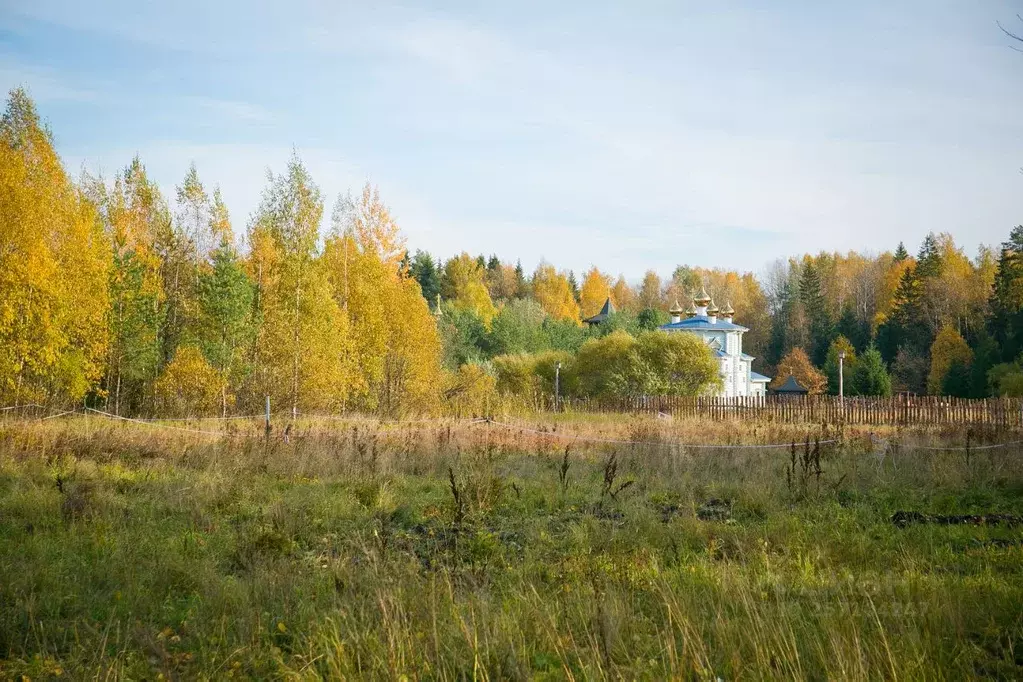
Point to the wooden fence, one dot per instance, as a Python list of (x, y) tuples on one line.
[(1004, 413)]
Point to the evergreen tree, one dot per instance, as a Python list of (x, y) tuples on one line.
[(900, 253), (870, 377), (811, 296), (779, 343), (907, 328), (909, 372), (929, 259), (520, 280), (856, 330), (957, 380), (1006, 303), (424, 270), (985, 356), (573, 285)]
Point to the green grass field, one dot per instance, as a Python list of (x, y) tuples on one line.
[(472, 552)]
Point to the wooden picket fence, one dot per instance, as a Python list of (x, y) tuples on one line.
[(1001, 413)]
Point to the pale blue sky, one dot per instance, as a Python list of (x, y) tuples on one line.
[(631, 135)]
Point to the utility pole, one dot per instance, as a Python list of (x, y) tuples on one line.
[(841, 376), (557, 386)]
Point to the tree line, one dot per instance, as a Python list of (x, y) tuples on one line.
[(111, 294), (938, 323)]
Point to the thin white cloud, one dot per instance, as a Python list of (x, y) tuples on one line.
[(44, 84), (230, 110), (721, 137)]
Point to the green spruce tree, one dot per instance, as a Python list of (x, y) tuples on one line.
[(871, 378)]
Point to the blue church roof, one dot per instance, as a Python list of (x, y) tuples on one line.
[(753, 376), (702, 323)]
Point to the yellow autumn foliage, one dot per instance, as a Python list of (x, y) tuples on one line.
[(595, 290), (554, 294), (464, 285), (948, 347), (54, 262), (190, 386)]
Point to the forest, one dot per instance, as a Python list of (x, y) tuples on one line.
[(115, 296)]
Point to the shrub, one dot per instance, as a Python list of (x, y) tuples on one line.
[(190, 386)]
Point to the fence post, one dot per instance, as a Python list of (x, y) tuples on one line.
[(268, 417)]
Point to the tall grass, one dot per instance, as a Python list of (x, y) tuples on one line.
[(438, 550)]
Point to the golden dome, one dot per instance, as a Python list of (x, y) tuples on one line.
[(712, 309), (691, 311), (727, 310), (675, 308), (702, 298)]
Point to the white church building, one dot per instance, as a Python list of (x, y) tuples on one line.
[(724, 337)]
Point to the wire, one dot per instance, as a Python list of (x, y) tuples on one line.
[(553, 434), (165, 426)]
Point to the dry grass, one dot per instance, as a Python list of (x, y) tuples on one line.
[(450, 549)]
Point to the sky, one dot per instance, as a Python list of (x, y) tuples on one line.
[(632, 136)]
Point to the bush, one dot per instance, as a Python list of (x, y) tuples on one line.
[(677, 364), (618, 364), (190, 386), (471, 390)]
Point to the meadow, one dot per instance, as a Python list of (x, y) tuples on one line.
[(540, 547)]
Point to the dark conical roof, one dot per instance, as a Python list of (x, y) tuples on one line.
[(791, 386), (606, 311)]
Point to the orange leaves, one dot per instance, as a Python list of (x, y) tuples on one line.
[(798, 364)]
